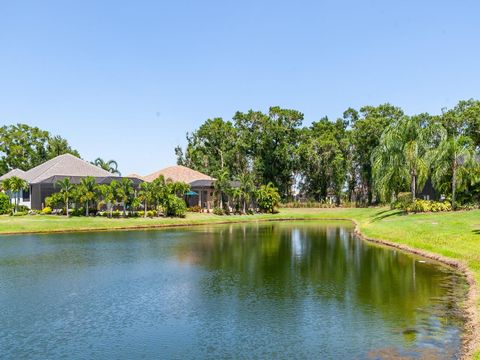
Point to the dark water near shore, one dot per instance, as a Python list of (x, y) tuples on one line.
[(272, 290)]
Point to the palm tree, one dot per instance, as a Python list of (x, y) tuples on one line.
[(125, 192), (145, 195), (110, 165), (247, 188), (14, 185), (109, 194), (453, 158), (222, 185), (87, 191), (400, 160), (66, 189)]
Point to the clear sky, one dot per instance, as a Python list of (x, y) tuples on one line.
[(126, 80)]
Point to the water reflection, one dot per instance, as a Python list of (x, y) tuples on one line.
[(270, 290)]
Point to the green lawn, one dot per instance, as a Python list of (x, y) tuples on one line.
[(454, 235)]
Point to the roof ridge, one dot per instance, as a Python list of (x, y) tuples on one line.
[(48, 168)]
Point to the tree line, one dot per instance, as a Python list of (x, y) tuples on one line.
[(367, 156)]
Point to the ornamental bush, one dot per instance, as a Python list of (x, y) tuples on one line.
[(5, 205), (268, 198), (217, 211), (46, 210), (404, 199), (418, 206), (174, 206)]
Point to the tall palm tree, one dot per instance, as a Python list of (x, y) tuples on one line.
[(109, 194), (110, 165), (87, 190), (221, 185), (66, 189), (125, 193), (400, 160), (247, 188), (13, 186), (145, 195), (452, 159)]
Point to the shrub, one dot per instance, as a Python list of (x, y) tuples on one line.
[(77, 211), (312, 204), (174, 206), (268, 198), (151, 213), (23, 208), (47, 210), (5, 205), (54, 201), (418, 206), (218, 211), (116, 214), (20, 213), (195, 208), (404, 200)]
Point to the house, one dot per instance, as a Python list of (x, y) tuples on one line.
[(43, 178), (201, 185)]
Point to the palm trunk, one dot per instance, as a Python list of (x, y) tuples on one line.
[(454, 186), (86, 209), (67, 206), (413, 186), (145, 215), (124, 209), (111, 210)]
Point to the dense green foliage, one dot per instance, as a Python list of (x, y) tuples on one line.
[(267, 198), (5, 204), (13, 187), (367, 156)]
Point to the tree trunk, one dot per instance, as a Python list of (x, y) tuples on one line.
[(145, 212), (86, 209), (67, 206), (454, 186), (124, 209), (413, 186)]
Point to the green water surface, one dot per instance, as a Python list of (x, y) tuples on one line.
[(296, 290)]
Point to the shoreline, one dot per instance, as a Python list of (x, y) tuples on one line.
[(470, 338)]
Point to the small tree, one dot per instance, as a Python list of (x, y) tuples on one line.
[(125, 193), (66, 189), (87, 192), (221, 186), (452, 159), (145, 195), (268, 198), (13, 186), (109, 195)]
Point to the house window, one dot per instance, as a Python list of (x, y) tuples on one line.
[(26, 194)]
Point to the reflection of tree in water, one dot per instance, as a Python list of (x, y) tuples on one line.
[(281, 260)]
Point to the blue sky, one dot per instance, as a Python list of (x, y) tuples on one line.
[(127, 79)]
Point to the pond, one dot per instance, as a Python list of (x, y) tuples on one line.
[(266, 290)]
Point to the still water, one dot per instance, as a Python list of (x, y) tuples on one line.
[(273, 290)]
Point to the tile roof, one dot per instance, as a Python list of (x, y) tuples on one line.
[(179, 173), (64, 165), (15, 172)]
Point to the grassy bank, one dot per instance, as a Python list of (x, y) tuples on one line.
[(452, 235)]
